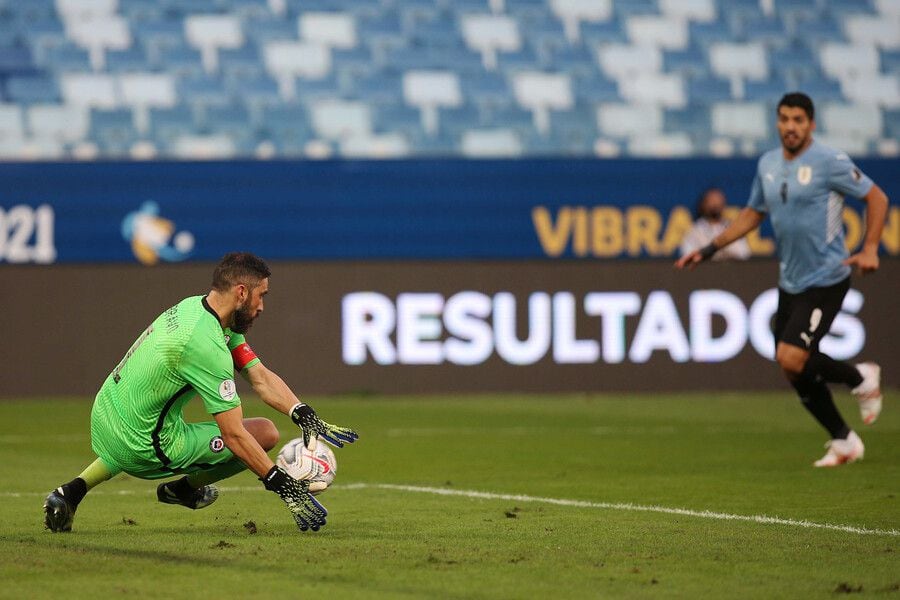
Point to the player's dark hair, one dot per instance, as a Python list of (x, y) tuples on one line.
[(799, 100), (239, 267)]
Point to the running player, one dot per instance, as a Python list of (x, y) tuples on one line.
[(191, 350), (801, 186)]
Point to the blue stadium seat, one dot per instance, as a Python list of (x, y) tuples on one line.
[(635, 7), (454, 121), (769, 90), (511, 117), (258, 91), (739, 9), (706, 34), (167, 124), (141, 10), (486, 90), (33, 10), (379, 88), (308, 90), (33, 89), (203, 91), (438, 32), (708, 90), (605, 32), (288, 127), (769, 31), (691, 62), (15, 59), (63, 57), (577, 61), (890, 61), (181, 60), (241, 63), (892, 124), (595, 89), (399, 118), (131, 59), (113, 131), (692, 118), (525, 59), (815, 32), (576, 126), (260, 31), (233, 120), (843, 8), (794, 63), (189, 7), (822, 90)]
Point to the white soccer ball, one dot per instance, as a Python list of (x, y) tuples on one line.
[(318, 467)]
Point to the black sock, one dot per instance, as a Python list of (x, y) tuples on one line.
[(816, 397), (74, 491), (181, 488), (833, 371)]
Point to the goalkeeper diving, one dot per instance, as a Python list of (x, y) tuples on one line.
[(191, 350)]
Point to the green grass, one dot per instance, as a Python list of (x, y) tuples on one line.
[(735, 453)]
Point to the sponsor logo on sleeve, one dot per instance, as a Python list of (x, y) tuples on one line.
[(227, 389), (217, 444)]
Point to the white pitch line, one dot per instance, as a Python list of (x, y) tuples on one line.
[(621, 506)]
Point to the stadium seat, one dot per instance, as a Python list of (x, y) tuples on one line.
[(90, 89), (572, 13), (627, 120), (286, 61), (383, 146), (739, 61), (61, 123), (80, 9), (15, 60), (768, 30), (209, 33), (740, 120), (212, 147), (338, 119), (179, 60), (430, 90), (11, 122), (98, 34), (670, 33), (490, 34), (167, 124), (702, 11), (890, 62), (202, 91), (287, 125), (335, 30), (880, 90), (882, 31), (692, 118), (621, 61), (689, 62), (597, 34), (892, 124), (541, 93), (233, 121), (847, 61), (37, 89), (491, 143), (128, 60), (850, 121), (625, 8), (769, 90), (113, 130), (401, 119), (592, 90), (256, 93), (262, 30), (240, 63), (456, 120), (378, 88), (664, 89)]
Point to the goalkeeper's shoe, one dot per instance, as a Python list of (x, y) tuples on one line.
[(59, 513), (868, 393), (842, 452), (195, 500)]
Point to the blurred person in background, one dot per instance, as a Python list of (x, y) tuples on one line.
[(710, 223)]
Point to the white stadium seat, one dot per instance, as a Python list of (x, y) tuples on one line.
[(848, 61), (384, 146), (882, 31), (204, 147), (622, 60), (208, 33), (89, 89), (339, 119), (743, 120), (286, 60), (59, 122), (336, 30), (627, 120), (148, 89), (854, 146), (879, 90), (98, 34), (739, 60), (661, 32), (573, 12), (850, 121), (654, 88), (31, 149), (490, 34), (491, 143), (665, 145), (694, 10), (11, 125), (430, 90), (85, 8), (888, 7), (542, 92)]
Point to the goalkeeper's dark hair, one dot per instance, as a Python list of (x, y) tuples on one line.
[(239, 267), (799, 100)]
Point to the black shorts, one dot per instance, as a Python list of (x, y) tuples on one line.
[(803, 319)]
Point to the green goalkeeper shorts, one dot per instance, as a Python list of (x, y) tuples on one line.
[(201, 448)]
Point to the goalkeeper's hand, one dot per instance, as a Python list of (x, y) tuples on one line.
[(307, 420), (307, 512)]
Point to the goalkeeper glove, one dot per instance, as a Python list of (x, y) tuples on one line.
[(307, 512), (307, 420)]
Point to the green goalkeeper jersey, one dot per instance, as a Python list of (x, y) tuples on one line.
[(136, 421)]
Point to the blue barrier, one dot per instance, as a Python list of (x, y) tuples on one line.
[(451, 209)]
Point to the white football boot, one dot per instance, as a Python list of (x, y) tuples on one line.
[(842, 451), (868, 393)]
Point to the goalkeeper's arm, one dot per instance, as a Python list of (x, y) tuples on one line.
[(271, 388)]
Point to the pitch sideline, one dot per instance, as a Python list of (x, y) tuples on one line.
[(620, 506)]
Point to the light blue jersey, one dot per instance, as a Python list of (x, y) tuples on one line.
[(804, 197)]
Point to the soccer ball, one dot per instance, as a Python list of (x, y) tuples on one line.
[(317, 467)]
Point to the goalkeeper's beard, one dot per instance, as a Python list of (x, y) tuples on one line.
[(242, 320)]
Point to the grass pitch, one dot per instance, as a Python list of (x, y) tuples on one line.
[(738, 454)]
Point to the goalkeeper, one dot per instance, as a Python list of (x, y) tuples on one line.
[(190, 350)]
